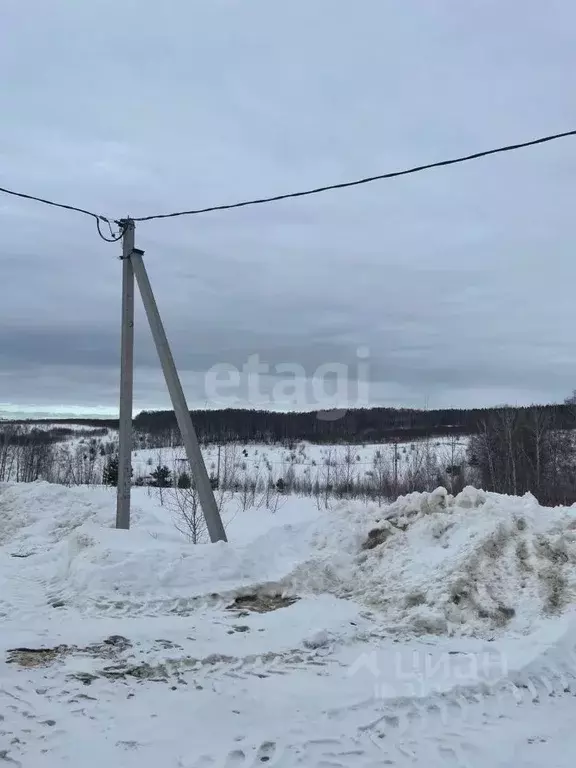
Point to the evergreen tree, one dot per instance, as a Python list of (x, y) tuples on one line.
[(110, 473), (184, 480), (162, 477)]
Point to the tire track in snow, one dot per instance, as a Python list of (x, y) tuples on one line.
[(441, 730)]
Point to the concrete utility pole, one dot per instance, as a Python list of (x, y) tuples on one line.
[(126, 380), (193, 452), (395, 467)]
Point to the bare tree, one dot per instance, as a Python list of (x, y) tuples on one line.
[(380, 476), (453, 459), (26, 454), (184, 503), (329, 463), (524, 450)]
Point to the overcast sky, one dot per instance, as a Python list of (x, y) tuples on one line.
[(459, 281)]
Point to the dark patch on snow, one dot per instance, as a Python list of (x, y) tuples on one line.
[(261, 603)]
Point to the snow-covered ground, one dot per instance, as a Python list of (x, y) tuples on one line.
[(303, 467), (307, 461), (433, 631)]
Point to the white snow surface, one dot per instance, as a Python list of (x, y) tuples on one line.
[(437, 629), (308, 461)]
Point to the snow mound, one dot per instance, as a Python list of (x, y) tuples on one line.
[(41, 514), (433, 563), (134, 567), (64, 540), (475, 564)]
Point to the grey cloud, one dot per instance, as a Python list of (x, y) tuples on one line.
[(460, 281)]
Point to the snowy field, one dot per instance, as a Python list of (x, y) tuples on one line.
[(307, 461), (435, 631), (81, 457), (374, 470)]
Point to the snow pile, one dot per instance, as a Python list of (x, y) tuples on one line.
[(133, 566), (473, 564), (64, 540), (312, 681), (38, 515)]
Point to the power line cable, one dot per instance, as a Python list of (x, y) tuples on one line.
[(358, 182), (305, 193), (54, 204), (113, 238), (98, 217)]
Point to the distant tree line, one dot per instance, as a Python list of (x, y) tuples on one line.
[(516, 451), (29, 453), (360, 425), (353, 426), (511, 451), (12, 433)]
